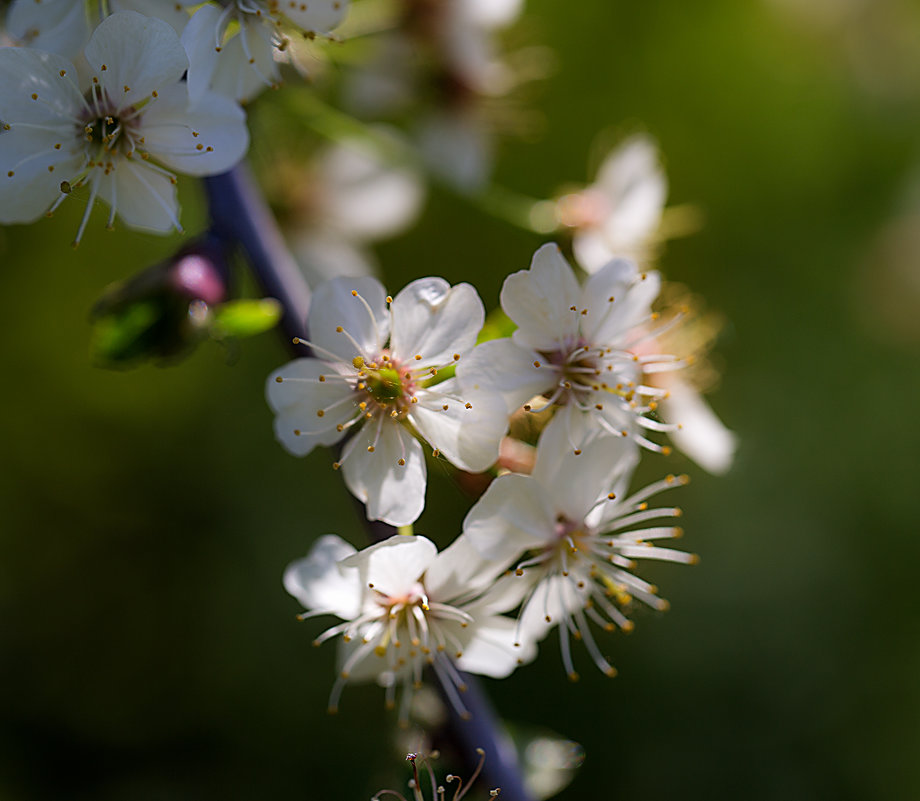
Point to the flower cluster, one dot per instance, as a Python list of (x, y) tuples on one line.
[(553, 544), (99, 100)]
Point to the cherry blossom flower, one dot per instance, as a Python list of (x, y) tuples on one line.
[(575, 538), (579, 348), (620, 213), (405, 608), (57, 136), (243, 63), (373, 380)]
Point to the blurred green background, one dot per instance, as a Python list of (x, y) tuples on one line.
[(147, 648)]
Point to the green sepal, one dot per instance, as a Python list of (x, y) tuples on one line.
[(244, 318)]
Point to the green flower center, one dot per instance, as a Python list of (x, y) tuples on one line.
[(384, 385)]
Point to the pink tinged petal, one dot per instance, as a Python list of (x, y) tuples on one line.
[(142, 196), (512, 516), (321, 584), (702, 436), (141, 55), (503, 366), (394, 566), (391, 492), (539, 300), (333, 307), (298, 399), (246, 63), (468, 437), (58, 103), (32, 188), (316, 16), (575, 483), (57, 26), (434, 320), (492, 651), (206, 139)]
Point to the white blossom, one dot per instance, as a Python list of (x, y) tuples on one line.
[(584, 349), (620, 213), (57, 136), (574, 537), (373, 380), (407, 608), (240, 61)]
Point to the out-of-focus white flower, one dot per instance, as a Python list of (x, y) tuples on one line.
[(64, 26), (579, 347), (620, 213), (350, 199), (241, 63), (405, 607), (373, 375), (444, 53), (576, 537), (56, 136), (702, 435)]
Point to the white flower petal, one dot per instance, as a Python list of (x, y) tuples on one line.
[(574, 483), (171, 11), (206, 139), (394, 566), (140, 55), (539, 300), (503, 366), (459, 569), (333, 306), (511, 516), (493, 649), (633, 292), (32, 188), (435, 320), (391, 492), (143, 197), (320, 584), (56, 26), (469, 438), (200, 42), (58, 102), (316, 16), (702, 436), (298, 400), (246, 62)]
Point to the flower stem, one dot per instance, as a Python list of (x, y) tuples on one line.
[(481, 729), (239, 214)]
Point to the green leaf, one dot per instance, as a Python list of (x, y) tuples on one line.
[(245, 318)]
